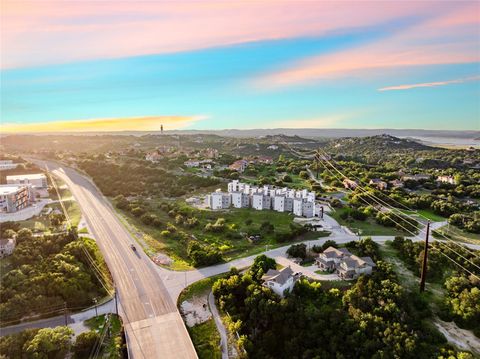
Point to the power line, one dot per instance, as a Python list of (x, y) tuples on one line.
[(391, 209)]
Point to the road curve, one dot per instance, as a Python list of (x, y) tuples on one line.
[(153, 325)]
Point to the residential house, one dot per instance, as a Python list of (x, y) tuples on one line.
[(416, 177), (7, 246), (272, 147), (352, 267), (281, 280), (344, 263), (446, 179), (349, 184), (378, 183), (191, 163), (239, 166), (154, 156), (396, 183), (330, 258)]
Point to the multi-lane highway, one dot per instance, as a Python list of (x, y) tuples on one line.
[(153, 324)]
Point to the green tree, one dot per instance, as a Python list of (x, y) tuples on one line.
[(85, 343), (50, 343)]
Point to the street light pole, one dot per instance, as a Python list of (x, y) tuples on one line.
[(65, 313), (95, 301)]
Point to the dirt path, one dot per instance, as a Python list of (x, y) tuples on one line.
[(220, 327), (463, 339)]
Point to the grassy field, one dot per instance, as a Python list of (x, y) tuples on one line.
[(111, 346), (198, 288), (240, 221), (424, 214), (206, 340), (457, 234), (368, 227)]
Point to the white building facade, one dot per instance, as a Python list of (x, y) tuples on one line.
[(14, 198), (7, 165), (242, 195), (37, 180), (219, 200)]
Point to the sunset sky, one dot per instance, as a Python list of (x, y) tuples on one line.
[(131, 65)]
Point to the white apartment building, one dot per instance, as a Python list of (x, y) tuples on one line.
[(243, 195), (240, 200), (14, 197), (7, 165), (261, 201), (37, 180), (219, 200), (303, 208)]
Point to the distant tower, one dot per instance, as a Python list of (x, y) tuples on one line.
[(161, 129)]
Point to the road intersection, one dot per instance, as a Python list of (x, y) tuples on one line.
[(148, 293)]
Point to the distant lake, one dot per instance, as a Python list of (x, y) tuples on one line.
[(447, 141)]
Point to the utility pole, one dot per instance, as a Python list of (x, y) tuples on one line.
[(317, 163), (65, 313), (424, 263), (116, 301)]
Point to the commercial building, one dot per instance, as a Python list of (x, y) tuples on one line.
[(14, 197), (36, 180)]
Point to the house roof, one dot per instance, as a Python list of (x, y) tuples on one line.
[(280, 276), (332, 252), (31, 176), (353, 261)]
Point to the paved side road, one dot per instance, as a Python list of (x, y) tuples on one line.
[(74, 320)]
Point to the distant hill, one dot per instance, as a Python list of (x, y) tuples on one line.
[(336, 133), (379, 143)]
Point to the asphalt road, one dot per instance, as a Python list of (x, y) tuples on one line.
[(152, 322)]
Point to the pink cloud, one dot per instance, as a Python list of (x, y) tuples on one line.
[(429, 84), (61, 31), (450, 38)]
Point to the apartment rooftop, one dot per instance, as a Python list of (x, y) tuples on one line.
[(6, 189), (27, 176)]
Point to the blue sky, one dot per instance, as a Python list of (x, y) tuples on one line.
[(311, 80)]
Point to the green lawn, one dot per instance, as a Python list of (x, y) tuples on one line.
[(232, 248), (368, 227), (424, 214), (198, 288), (111, 346), (457, 234), (206, 340), (322, 272)]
